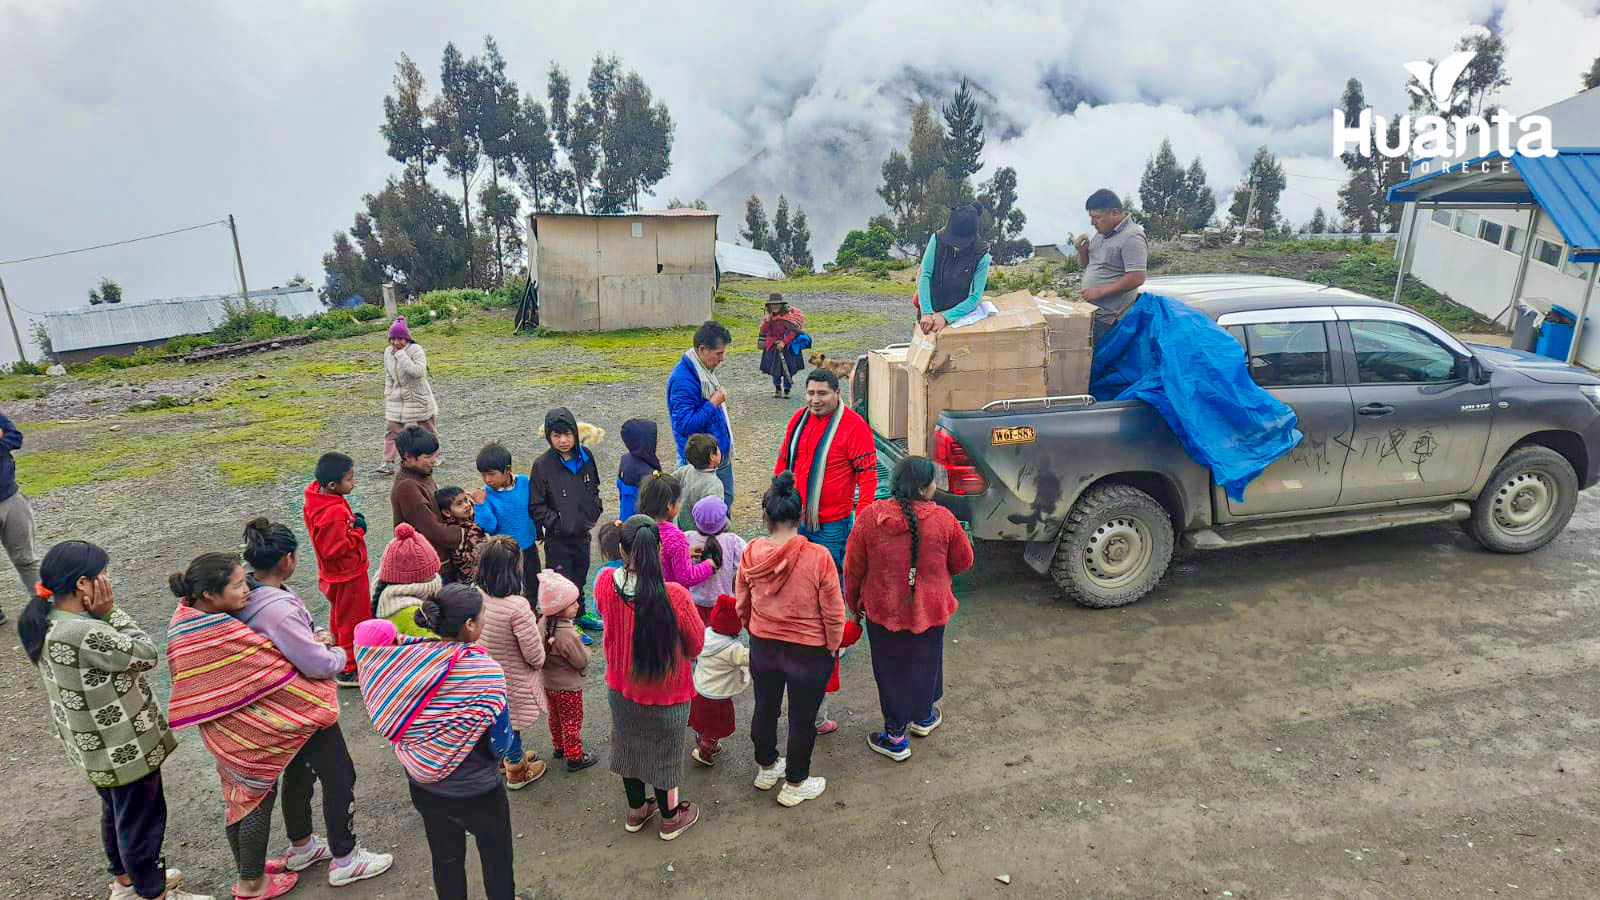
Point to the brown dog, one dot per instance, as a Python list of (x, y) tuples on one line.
[(841, 368)]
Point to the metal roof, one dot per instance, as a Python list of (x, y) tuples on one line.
[(747, 261), (1566, 186), (113, 324), (1218, 295)]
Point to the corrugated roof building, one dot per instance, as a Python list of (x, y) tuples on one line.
[(118, 329)]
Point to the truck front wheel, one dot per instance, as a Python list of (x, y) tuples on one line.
[(1527, 502), (1114, 547)]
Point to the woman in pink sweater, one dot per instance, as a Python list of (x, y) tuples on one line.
[(661, 498), (788, 597), (511, 635)]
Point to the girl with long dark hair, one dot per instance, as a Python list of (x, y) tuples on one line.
[(788, 597), (652, 636), (898, 567)]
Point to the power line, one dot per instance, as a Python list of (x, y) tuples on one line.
[(1314, 177), (8, 262)]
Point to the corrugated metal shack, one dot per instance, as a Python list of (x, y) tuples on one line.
[(118, 329), (633, 270)]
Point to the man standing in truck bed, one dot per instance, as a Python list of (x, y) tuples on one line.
[(1113, 261)]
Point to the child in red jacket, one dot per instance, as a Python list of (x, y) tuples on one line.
[(339, 538)]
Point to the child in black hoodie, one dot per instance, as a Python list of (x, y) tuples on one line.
[(564, 500)]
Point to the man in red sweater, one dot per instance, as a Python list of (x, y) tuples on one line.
[(829, 448)]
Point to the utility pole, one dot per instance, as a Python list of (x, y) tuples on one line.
[(244, 289), (16, 335)]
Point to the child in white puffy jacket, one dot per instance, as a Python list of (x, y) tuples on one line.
[(720, 673)]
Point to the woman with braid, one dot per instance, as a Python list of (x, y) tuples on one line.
[(898, 567)]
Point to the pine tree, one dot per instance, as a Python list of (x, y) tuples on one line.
[(1353, 102), (755, 231), (964, 140), (1199, 200), (782, 236), (800, 243), (1319, 222), (1357, 201), (1161, 193), (1591, 79), (1265, 176)]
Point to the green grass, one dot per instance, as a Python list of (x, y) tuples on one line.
[(1371, 269), (850, 282), (264, 465)]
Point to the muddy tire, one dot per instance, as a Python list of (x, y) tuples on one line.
[(1526, 502), (1114, 547)]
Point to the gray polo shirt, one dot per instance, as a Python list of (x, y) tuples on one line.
[(1112, 256)]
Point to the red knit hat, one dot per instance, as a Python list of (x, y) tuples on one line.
[(725, 618), (409, 558)]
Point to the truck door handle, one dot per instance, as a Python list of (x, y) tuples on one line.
[(1376, 409)]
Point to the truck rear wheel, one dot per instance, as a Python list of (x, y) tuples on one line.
[(1527, 502), (1114, 547)]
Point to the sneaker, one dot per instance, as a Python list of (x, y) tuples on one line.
[(582, 762), (926, 726), (586, 639), (363, 864), (347, 680), (520, 775), (899, 751), (767, 777), (776, 393), (589, 622), (638, 818), (828, 726), (297, 858), (385, 469), (120, 891), (681, 819), (785, 395), (704, 759), (796, 794)]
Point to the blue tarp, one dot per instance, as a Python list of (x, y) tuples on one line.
[(1195, 374)]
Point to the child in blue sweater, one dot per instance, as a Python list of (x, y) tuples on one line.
[(501, 507)]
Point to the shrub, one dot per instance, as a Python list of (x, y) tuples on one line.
[(23, 367), (874, 243), (366, 312), (187, 343)]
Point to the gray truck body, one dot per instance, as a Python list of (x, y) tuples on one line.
[(1403, 424)]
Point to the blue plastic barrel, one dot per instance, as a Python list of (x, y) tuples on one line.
[(1554, 339)]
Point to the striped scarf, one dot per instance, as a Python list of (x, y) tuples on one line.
[(254, 710), (432, 699), (819, 459)]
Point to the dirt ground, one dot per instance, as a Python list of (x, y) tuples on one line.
[(1372, 716)]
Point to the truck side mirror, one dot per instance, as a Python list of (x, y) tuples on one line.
[(1476, 373)]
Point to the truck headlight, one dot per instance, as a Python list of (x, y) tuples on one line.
[(1592, 393)]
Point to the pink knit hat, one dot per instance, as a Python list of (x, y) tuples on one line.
[(556, 592), (400, 329), (375, 633), (409, 558)]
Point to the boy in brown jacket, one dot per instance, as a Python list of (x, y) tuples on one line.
[(565, 662), (411, 499)]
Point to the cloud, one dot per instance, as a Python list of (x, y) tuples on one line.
[(128, 119)]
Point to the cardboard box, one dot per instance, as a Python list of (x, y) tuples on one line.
[(1069, 333), (1004, 355), (888, 391)]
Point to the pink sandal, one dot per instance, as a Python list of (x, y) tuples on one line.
[(278, 883)]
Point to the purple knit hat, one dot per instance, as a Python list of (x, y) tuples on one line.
[(399, 329), (710, 515)]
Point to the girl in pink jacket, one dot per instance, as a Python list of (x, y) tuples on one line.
[(512, 636), (661, 498)]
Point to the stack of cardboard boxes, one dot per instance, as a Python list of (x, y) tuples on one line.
[(1031, 347)]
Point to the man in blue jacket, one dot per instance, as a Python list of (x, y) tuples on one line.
[(16, 516), (697, 402)]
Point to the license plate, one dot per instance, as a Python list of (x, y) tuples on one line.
[(1018, 434)]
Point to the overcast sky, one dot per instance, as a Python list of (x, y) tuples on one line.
[(118, 120)]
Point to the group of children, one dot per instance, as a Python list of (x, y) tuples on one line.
[(462, 643)]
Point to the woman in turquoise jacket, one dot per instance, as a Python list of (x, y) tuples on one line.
[(955, 270)]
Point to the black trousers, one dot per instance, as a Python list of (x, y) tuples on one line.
[(804, 672), (133, 824), (324, 758), (248, 838), (570, 557), (530, 574), (447, 821)]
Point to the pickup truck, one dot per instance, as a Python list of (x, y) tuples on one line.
[(1403, 424)]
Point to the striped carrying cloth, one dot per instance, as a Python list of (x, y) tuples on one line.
[(254, 710), (432, 699), (819, 460)]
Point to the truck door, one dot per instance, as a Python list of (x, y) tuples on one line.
[(1421, 426), (1289, 355)]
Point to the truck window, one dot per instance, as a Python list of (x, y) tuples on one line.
[(1285, 354), (1396, 353)]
